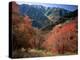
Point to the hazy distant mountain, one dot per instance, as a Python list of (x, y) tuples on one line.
[(42, 16), (36, 13)]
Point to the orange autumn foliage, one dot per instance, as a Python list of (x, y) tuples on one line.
[(15, 13), (63, 38), (23, 32)]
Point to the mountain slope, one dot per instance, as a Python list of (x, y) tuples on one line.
[(42, 15)]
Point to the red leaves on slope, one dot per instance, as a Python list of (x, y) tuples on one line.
[(15, 13), (62, 38), (15, 7), (23, 32), (27, 21)]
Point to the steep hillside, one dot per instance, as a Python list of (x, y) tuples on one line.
[(63, 38), (41, 15)]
